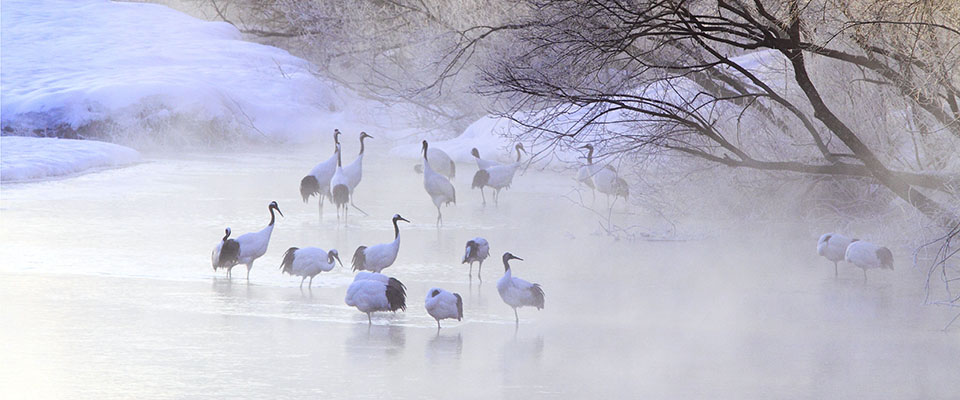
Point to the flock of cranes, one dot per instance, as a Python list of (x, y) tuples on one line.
[(371, 290)]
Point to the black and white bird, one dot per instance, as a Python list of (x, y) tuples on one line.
[(379, 256), (373, 292), (497, 177), (441, 163), (609, 182), (226, 253), (308, 262), (586, 172), (442, 304), (253, 245), (867, 255), (354, 171), (517, 292), (481, 163), (833, 246), (439, 188), (340, 187), (317, 182), (477, 250)]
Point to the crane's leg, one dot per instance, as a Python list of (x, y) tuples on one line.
[(310, 285), (483, 196), (835, 273), (301, 282), (249, 266), (864, 275), (517, 316), (320, 204), (355, 206), (369, 321), (479, 270), (471, 268), (439, 216)]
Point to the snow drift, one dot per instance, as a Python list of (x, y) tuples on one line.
[(29, 158), (125, 71)]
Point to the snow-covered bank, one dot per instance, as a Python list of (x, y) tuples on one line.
[(127, 70), (29, 158)]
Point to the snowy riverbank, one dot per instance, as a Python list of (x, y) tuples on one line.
[(29, 158)]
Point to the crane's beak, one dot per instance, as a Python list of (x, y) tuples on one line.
[(338, 260), (278, 210), (517, 258), (403, 219)]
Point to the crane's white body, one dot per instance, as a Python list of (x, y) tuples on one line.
[(439, 188), (517, 292), (309, 262), (339, 184), (833, 246), (501, 176), (441, 162), (867, 255), (379, 256), (323, 172), (605, 180), (484, 164), (354, 173), (481, 253), (585, 174), (441, 304), (371, 294), (371, 276), (253, 245)]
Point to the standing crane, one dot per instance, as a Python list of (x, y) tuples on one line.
[(441, 304), (253, 245), (317, 182), (354, 171), (440, 189), (309, 262), (517, 292), (379, 256), (497, 177), (225, 253)]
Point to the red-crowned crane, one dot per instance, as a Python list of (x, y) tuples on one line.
[(517, 292), (379, 256), (226, 253), (308, 262), (441, 304), (253, 245), (372, 292), (440, 189), (476, 250), (317, 182), (867, 255), (833, 246)]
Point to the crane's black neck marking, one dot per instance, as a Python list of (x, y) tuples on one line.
[(590, 155), (396, 229), (472, 249), (339, 159), (273, 218), (361, 143), (227, 235), (518, 152), (434, 293), (506, 264)]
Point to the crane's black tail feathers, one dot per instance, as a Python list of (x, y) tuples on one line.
[(359, 258), (537, 292), (287, 264), (480, 179), (309, 187), (341, 194), (396, 295), (229, 254), (886, 257), (459, 306), (397, 284)]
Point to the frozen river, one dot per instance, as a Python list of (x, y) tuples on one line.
[(106, 291)]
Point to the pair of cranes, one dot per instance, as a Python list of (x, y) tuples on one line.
[(865, 255), (437, 176), (331, 180), (602, 178)]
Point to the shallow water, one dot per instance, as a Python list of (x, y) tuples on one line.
[(106, 291)]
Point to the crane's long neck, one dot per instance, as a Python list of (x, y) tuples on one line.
[(273, 218), (396, 230), (518, 153), (361, 144), (506, 268), (339, 159)]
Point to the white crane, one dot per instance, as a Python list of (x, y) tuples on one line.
[(379, 256), (586, 172), (608, 182), (497, 177), (440, 189), (354, 171), (517, 292), (225, 253), (867, 255), (477, 250), (317, 182), (442, 304), (340, 187), (253, 245), (833, 246), (481, 163), (309, 262), (441, 162), (372, 292)]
